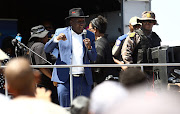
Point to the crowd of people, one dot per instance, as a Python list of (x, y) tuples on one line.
[(42, 90)]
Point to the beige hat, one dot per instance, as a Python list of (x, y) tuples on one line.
[(3, 55), (134, 21), (148, 15)]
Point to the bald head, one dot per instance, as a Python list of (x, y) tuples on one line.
[(19, 75)]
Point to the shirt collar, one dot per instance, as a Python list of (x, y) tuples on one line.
[(74, 33)]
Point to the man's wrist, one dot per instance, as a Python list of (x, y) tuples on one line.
[(55, 40), (90, 48)]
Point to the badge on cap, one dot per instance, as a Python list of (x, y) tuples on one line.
[(118, 42), (132, 34), (148, 15)]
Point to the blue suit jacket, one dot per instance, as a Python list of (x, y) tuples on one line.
[(61, 75)]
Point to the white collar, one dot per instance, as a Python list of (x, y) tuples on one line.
[(74, 33)]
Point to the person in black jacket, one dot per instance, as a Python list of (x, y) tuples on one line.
[(39, 36), (104, 52)]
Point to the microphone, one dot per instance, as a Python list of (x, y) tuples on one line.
[(18, 37), (85, 32), (15, 42)]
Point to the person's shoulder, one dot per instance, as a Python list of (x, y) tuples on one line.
[(33, 103), (89, 33), (154, 35), (105, 40), (132, 35), (52, 107), (103, 43), (62, 29), (38, 44), (122, 37), (3, 98)]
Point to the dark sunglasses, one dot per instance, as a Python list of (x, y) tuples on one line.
[(149, 21)]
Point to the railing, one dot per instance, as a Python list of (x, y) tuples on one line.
[(92, 65)]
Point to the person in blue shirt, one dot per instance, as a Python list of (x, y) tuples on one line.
[(116, 51)]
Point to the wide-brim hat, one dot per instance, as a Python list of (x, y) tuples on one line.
[(148, 16), (76, 13), (38, 32)]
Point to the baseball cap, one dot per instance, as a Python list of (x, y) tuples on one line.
[(148, 16), (38, 31), (134, 21)]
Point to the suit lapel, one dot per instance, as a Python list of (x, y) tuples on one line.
[(69, 36), (84, 48), (66, 46)]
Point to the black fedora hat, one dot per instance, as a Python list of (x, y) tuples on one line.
[(76, 13)]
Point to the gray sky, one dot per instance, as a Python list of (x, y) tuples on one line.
[(168, 16)]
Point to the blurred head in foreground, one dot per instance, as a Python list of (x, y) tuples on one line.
[(20, 77), (105, 95), (132, 78)]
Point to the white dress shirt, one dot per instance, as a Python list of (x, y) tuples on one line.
[(77, 53)]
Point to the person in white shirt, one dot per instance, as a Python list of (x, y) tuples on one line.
[(76, 46)]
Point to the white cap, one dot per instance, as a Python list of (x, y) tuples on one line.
[(134, 21)]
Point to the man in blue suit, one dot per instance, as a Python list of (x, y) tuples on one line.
[(75, 47)]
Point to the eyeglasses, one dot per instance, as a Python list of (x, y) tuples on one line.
[(147, 22), (90, 28)]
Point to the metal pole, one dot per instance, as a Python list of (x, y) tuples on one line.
[(6, 91), (103, 65), (35, 53), (71, 86), (142, 69)]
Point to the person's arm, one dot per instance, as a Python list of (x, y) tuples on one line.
[(51, 44), (128, 47), (46, 72), (92, 54), (120, 62), (43, 94)]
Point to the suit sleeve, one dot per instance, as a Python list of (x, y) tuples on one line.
[(51, 45), (92, 53)]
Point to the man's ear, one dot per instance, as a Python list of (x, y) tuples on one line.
[(71, 21), (37, 76), (95, 30)]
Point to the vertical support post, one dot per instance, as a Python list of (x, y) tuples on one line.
[(6, 90), (71, 86), (142, 69), (122, 16)]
